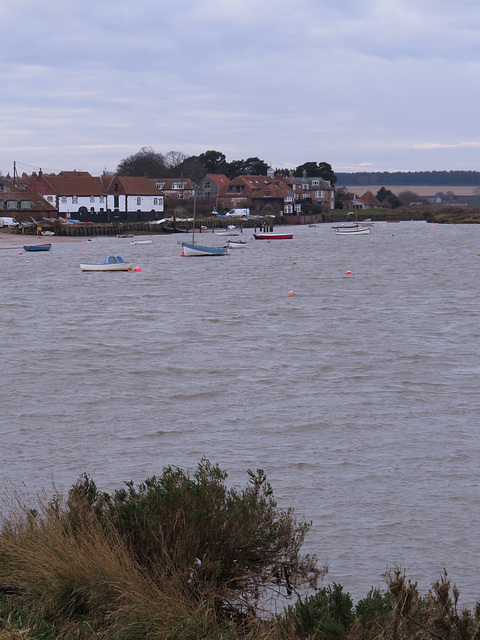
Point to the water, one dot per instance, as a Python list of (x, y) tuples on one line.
[(359, 395)]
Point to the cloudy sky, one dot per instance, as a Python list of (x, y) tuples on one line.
[(366, 85)]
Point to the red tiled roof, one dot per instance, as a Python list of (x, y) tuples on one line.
[(69, 185), (219, 179), (130, 185), (369, 198)]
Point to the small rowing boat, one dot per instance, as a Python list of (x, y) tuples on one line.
[(37, 247)]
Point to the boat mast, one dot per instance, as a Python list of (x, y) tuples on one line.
[(194, 207)]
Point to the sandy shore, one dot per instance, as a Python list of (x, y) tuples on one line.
[(15, 240)]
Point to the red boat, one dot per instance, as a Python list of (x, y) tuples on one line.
[(270, 235)]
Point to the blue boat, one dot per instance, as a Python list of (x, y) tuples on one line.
[(37, 247)]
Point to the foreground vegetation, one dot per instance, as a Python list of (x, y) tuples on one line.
[(186, 557)]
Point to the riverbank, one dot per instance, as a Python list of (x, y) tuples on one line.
[(10, 240)]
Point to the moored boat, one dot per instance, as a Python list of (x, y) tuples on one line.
[(191, 249), (111, 263), (271, 235), (37, 247), (236, 244), (352, 231)]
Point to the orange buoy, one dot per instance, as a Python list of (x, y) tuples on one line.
[(290, 294), (349, 273), (294, 262), (138, 268), (182, 254)]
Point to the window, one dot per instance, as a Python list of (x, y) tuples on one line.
[(315, 183), (159, 185), (92, 198), (74, 199), (288, 208), (155, 201), (206, 184), (50, 198), (139, 201), (64, 198), (101, 198)]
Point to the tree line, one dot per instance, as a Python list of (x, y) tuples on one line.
[(409, 178), (174, 164)]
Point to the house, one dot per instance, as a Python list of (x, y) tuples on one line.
[(180, 188), (77, 194), (70, 192), (366, 201), (316, 190), (239, 192), (212, 186), (134, 197), (276, 198), (26, 207)]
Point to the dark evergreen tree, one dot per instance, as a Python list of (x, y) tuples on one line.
[(145, 162)]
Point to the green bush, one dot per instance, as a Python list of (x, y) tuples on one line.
[(237, 543), (327, 615)]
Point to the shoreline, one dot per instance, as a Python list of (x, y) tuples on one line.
[(15, 240)]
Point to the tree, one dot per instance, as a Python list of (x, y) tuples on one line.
[(144, 162), (387, 197), (173, 159), (313, 170), (213, 161), (255, 167), (406, 197), (342, 196), (192, 167)]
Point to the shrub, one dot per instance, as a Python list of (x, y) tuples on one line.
[(327, 615)]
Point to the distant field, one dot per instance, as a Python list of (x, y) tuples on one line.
[(422, 190)]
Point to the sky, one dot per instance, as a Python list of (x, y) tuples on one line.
[(365, 85)]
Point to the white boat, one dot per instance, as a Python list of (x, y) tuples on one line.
[(235, 244), (111, 263), (141, 241), (351, 228), (355, 230)]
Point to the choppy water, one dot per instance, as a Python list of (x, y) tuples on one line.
[(359, 396)]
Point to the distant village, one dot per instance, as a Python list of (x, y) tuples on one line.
[(79, 196)]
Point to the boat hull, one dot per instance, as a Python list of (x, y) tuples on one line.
[(236, 244), (358, 231), (107, 267), (273, 236), (37, 247), (199, 250)]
